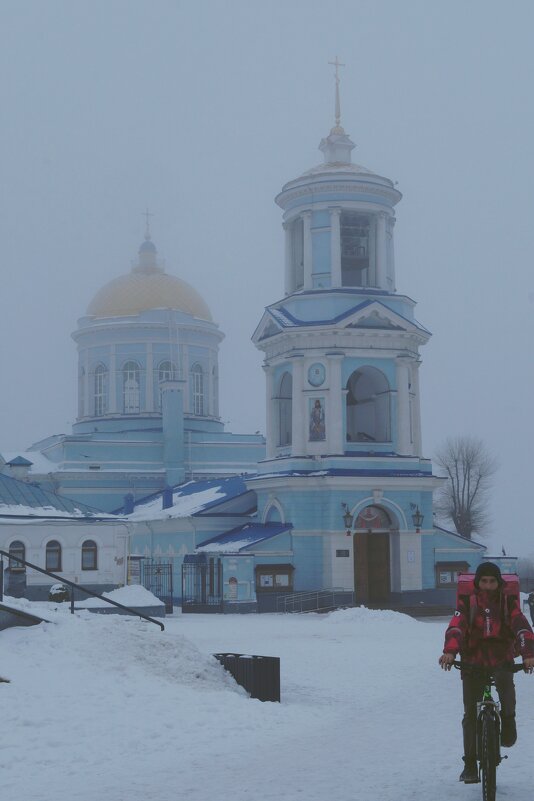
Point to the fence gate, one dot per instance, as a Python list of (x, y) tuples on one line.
[(202, 586), (157, 578)]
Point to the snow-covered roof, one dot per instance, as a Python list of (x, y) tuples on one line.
[(21, 499), (242, 537), (189, 499)]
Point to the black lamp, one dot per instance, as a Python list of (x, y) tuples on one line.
[(417, 517), (347, 519)]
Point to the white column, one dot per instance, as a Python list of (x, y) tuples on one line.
[(149, 379), (289, 284), (334, 430), (298, 414), (112, 380), (391, 257), (335, 247), (381, 252), (417, 439), (269, 412), (403, 407), (306, 218)]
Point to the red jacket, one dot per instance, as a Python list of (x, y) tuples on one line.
[(487, 634)]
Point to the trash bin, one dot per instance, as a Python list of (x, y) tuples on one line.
[(259, 675)]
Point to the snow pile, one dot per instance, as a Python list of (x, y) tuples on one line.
[(133, 595), (371, 617)]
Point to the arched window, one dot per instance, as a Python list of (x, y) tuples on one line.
[(89, 555), (285, 402), (131, 388), (100, 390), (197, 385), (17, 549), (273, 515), (166, 372), (53, 555), (368, 412)]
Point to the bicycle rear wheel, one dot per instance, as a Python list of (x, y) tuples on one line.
[(488, 756)]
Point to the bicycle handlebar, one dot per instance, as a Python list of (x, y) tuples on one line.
[(469, 668)]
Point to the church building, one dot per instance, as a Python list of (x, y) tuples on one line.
[(338, 496), (148, 395)]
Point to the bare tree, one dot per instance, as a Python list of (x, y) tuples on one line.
[(469, 468)]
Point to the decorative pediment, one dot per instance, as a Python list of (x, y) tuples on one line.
[(376, 315), (268, 327)]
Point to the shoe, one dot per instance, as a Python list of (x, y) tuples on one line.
[(469, 774), (508, 731)]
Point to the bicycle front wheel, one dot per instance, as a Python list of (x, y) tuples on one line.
[(488, 756)]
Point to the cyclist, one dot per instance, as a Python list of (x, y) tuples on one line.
[(486, 635)]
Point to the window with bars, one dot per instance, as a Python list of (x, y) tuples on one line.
[(89, 555), (100, 390), (197, 381), (17, 549), (131, 388), (53, 555)]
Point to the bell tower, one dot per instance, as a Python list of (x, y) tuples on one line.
[(342, 347)]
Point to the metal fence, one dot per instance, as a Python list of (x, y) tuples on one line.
[(156, 577), (202, 586), (316, 601)]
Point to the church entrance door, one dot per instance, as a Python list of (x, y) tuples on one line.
[(371, 567), (372, 578)]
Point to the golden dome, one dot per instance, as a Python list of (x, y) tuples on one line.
[(147, 286)]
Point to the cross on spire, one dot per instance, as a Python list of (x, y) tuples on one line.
[(337, 64), (147, 214)]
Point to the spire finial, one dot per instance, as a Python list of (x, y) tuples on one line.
[(147, 216), (337, 63)]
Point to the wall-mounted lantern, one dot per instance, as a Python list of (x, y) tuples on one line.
[(347, 519), (417, 517)]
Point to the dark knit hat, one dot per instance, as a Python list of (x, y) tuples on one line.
[(488, 569)]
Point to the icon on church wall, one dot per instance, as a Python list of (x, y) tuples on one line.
[(317, 422)]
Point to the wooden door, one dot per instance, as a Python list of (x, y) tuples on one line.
[(378, 567), (361, 571), (371, 567)]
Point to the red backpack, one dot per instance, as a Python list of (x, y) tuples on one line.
[(510, 593)]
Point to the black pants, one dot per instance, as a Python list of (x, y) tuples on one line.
[(473, 689)]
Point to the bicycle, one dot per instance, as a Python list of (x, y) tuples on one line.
[(488, 728)]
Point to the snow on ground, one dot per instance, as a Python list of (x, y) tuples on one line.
[(112, 709)]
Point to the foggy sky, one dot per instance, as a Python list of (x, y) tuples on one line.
[(202, 111)]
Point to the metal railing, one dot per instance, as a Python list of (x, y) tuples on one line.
[(316, 601), (74, 586)]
